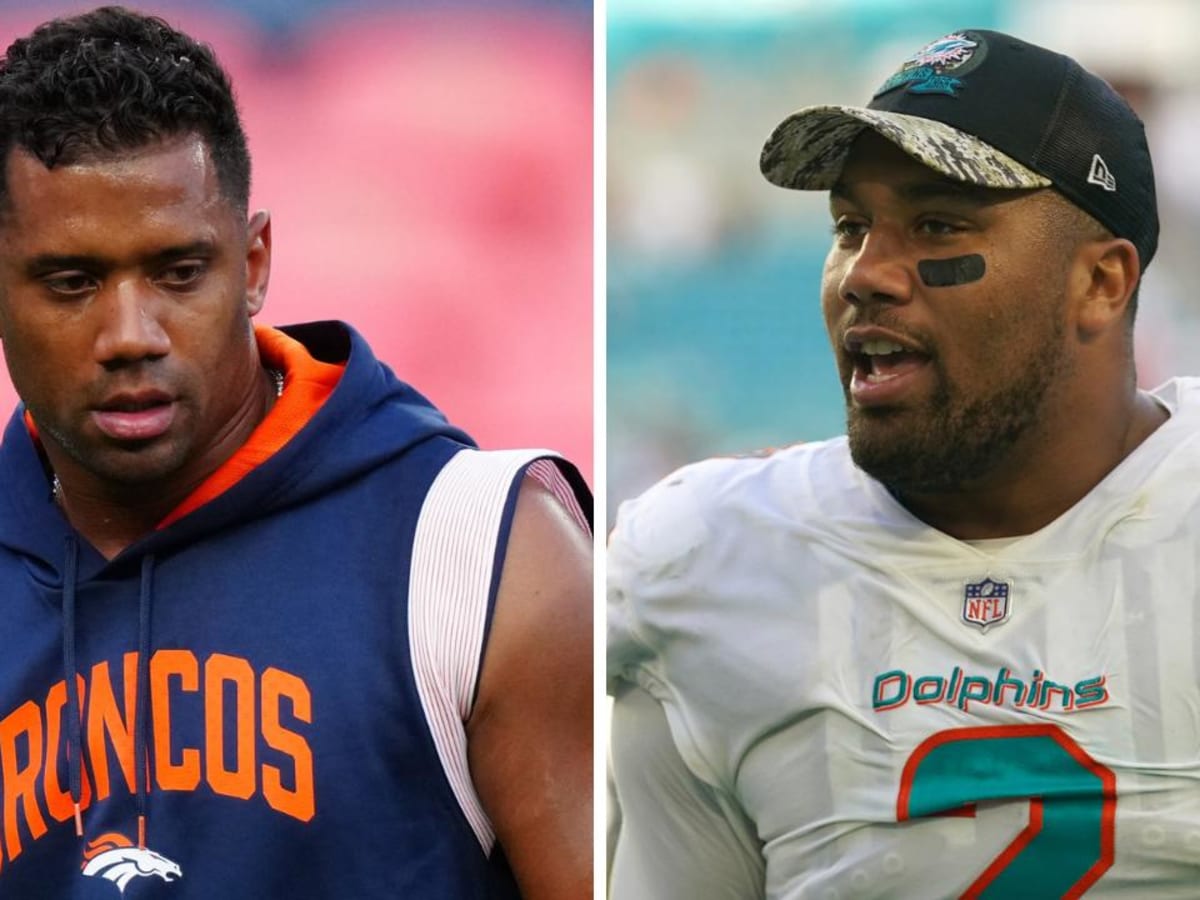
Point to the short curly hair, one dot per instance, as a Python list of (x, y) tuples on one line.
[(94, 85)]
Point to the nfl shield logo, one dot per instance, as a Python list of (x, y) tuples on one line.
[(985, 603)]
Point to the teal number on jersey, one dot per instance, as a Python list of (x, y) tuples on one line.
[(1068, 843)]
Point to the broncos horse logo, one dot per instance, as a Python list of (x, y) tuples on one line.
[(113, 856)]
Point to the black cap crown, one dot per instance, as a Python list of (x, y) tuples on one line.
[(991, 109)]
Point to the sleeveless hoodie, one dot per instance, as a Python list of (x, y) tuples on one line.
[(256, 652)]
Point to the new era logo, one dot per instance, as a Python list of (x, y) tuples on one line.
[(1100, 175)]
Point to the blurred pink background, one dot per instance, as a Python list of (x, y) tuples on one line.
[(429, 175)]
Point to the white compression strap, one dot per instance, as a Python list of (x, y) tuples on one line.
[(453, 558)]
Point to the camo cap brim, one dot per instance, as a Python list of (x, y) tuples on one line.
[(809, 148)]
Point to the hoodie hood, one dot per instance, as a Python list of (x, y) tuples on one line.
[(370, 418)]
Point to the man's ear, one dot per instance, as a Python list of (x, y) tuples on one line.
[(1108, 273), (258, 260)]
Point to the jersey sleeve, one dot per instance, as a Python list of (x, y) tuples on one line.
[(671, 837), (659, 569), (677, 829), (651, 550)]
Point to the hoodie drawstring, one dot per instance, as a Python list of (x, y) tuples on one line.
[(141, 774), (141, 762), (74, 713)]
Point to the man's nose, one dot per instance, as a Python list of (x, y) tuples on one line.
[(130, 327), (878, 270)]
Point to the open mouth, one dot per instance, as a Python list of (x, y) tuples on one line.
[(882, 370)]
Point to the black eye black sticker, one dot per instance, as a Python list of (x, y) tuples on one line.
[(953, 271)]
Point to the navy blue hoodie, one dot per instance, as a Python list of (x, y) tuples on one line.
[(287, 753)]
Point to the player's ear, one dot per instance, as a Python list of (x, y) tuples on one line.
[(1104, 279), (258, 260)]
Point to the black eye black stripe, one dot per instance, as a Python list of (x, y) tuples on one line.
[(953, 271)]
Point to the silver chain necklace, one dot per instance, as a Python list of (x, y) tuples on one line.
[(276, 379)]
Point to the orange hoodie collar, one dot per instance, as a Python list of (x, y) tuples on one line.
[(307, 384)]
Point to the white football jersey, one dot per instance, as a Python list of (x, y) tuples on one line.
[(862, 706)]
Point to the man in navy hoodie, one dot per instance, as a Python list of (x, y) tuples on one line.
[(248, 577)]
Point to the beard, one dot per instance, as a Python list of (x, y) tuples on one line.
[(952, 441)]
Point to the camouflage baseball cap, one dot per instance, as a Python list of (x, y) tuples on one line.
[(993, 110)]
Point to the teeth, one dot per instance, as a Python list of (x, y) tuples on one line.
[(881, 348)]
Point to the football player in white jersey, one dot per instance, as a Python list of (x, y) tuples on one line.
[(955, 653)]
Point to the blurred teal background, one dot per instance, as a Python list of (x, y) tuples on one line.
[(715, 341)]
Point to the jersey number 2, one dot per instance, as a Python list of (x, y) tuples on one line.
[(1068, 843)]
